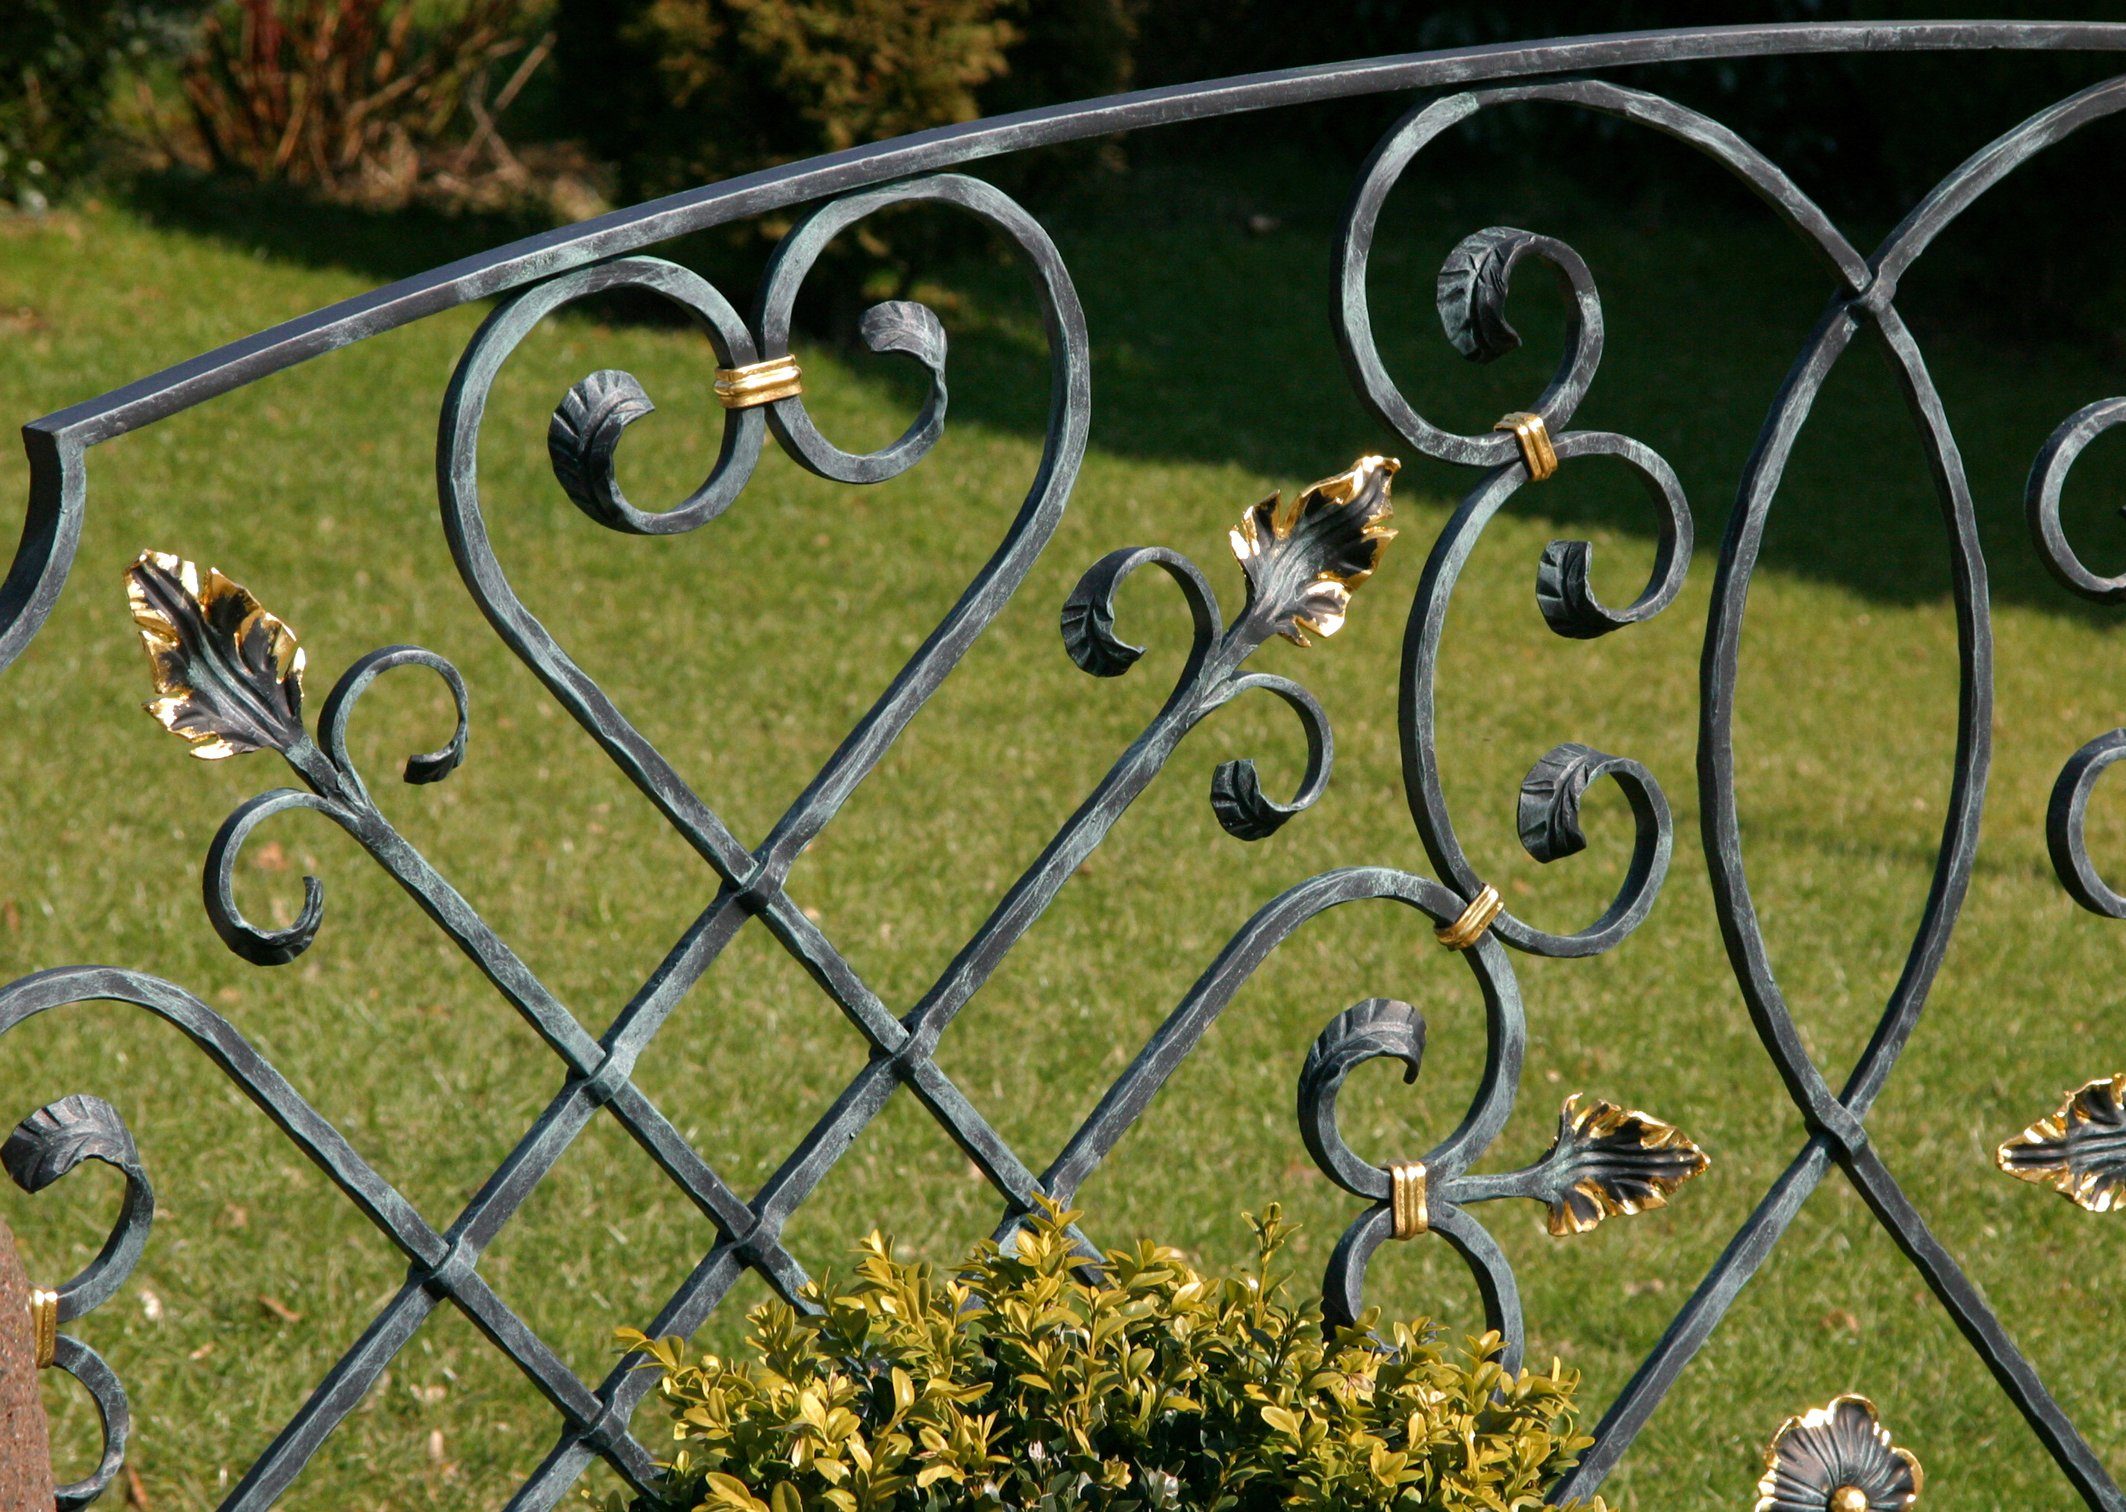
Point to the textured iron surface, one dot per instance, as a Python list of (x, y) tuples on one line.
[(1606, 1160)]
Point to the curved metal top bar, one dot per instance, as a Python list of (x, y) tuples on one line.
[(621, 231)]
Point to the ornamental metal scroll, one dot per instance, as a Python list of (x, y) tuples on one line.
[(229, 675)]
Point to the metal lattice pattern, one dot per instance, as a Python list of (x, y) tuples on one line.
[(230, 679)]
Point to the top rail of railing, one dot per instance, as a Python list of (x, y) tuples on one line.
[(518, 263)]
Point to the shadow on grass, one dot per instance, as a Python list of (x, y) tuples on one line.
[(377, 245), (1207, 286)]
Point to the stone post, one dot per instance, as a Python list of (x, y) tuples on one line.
[(25, 1438)]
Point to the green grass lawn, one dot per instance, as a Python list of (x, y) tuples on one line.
[(746, 649)]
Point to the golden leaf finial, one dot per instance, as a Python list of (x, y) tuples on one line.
[(228, 675), (1303, 559), (1611, 1161), (2080, 1151)]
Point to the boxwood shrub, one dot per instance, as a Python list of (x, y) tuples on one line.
[(1026, 1379)]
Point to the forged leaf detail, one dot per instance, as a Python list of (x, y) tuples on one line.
[(1375, 1029), (1304, 559), (583, 438), (904, 326), (1472, 292), (1834, 1457), (1244, 811), (228, 675), (2080, 1151), (433, 766), (59, 1136), (1548, 816), (1366, 1031), (1611, 1161), (1565, 597), (1089, 627)]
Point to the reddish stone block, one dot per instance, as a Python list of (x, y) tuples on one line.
[(25, 1437)]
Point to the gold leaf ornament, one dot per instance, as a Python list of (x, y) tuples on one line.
[(1611, 1161), (1304, 559), (2080, 1151), (228, 674), (1838, 1458)]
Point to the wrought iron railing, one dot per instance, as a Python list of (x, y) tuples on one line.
[(229, 678)]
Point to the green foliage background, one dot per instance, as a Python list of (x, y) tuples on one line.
[(55, 64), (1011, 1381)]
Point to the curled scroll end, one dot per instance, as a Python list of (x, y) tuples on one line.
[(583, 439), (274, 947), (1244, 811), (2042, 498), (44, 1147), (2080, 1151), (1089, 613), (1370, 1030), (261, 947), (1549, 813), (909, 328), (1089, 627), (426, 766), (1473, 283), (2066, 818), (1565, 597), (59, 1136), (1304, 560), (1237, 798), (228, 675), (434, 766), (1611, 1161)]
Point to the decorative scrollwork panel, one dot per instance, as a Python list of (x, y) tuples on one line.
[(229, 678)]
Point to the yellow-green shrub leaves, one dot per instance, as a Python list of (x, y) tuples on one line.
[(1021, 1381)]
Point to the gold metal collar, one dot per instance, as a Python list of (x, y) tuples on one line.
[(1406, 1199), (759, 383), (1476, 918), (1528, 428), (44, 1326)]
